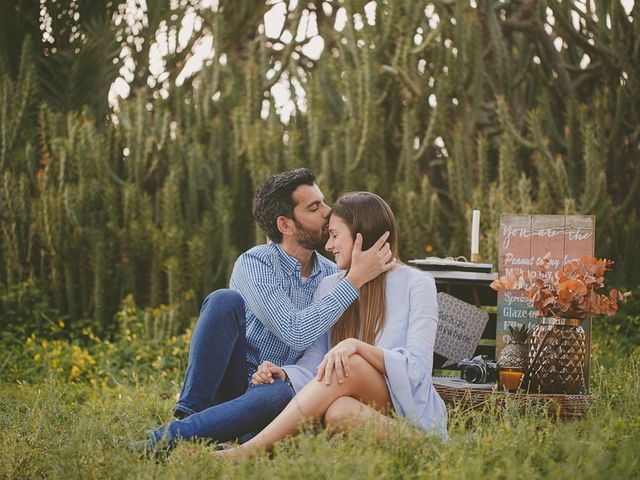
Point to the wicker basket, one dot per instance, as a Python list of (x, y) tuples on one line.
[(565, 406)]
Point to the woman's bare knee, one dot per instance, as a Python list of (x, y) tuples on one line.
[(340, 408), (360, 368), (366, 384), (358, 362)]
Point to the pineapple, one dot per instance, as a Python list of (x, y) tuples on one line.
[(516, 353)]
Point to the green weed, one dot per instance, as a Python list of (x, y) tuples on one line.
[(58, 427)]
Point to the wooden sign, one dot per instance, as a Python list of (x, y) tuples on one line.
[(524, 241)]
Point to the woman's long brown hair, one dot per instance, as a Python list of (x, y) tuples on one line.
[(369, 215)]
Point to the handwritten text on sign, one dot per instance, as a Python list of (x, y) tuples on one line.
[(524, 242)]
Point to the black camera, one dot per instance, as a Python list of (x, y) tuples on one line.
[(479, 370)]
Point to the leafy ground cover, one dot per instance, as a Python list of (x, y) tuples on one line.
[(59, 424)]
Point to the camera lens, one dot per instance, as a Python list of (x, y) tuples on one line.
[(473, 374)]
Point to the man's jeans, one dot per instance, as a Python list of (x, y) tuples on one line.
[(217, 369), (239, 418), (214, 396)]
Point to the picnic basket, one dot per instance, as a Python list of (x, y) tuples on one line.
[(564, 406)]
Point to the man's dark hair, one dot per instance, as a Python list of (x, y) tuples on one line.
[(274, 198)]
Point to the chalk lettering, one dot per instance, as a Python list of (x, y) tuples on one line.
[(580, 234), (510, 232), (510, 297), (517, 313), (576, 233), (511, 259)]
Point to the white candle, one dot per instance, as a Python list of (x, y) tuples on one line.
[(475, 234)]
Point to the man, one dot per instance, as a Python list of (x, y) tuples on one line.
[(267, 314)]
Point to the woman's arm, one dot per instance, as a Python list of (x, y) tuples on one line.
[(372, 354), (337, 359), (415, 357)]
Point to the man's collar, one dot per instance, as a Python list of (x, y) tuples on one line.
[(291, 265)]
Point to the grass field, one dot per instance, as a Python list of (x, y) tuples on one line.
[(57, 428)]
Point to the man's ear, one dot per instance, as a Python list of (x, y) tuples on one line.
[(285, 225)]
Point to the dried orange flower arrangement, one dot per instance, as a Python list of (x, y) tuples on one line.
[(568, 293)]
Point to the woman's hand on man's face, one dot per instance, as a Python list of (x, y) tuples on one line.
[(266, 373), (336, 361), (368, 264)]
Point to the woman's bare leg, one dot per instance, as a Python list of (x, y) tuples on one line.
[(347, 412), (364, 383)]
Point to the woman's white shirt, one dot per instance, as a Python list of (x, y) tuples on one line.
[(407, 341)]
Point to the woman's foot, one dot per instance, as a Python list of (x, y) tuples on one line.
[(235, 454)]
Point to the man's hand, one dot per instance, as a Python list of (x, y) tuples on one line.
[(337, 359), (367, 265), (266, 373)]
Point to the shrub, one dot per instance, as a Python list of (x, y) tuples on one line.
[(146, 344)]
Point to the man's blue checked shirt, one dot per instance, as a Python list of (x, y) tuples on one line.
[(280, 317)]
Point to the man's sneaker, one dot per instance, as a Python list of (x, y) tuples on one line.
[(143, 447), (216, 446), (146, 449)]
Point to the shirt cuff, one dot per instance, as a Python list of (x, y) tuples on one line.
[(345, 293), (298, 376)]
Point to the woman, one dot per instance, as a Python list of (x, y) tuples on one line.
[(379, 354)]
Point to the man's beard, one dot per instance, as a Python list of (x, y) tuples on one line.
[(309, 238)]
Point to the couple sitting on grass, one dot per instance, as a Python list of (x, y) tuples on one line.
[(297, 337)]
